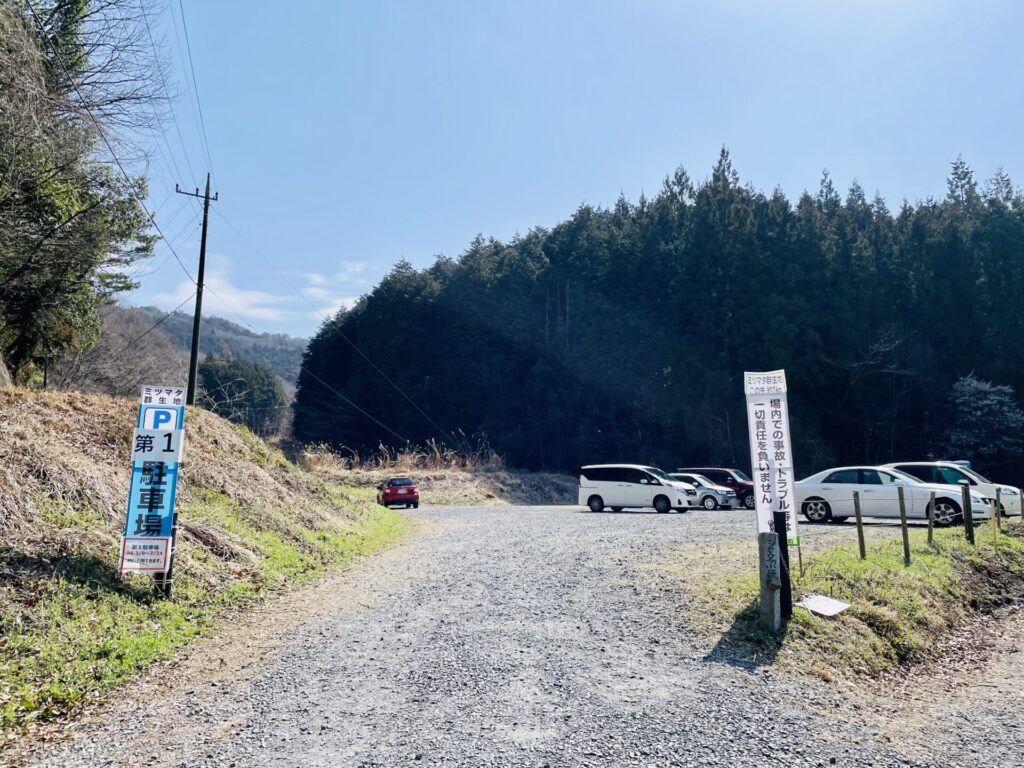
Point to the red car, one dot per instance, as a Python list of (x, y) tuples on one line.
[(399, 490)]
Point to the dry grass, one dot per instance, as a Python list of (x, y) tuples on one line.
[(251, 523), (899, 615), (445, 476), (478, 457), (72, 449)]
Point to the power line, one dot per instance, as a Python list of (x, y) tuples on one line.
[(178, 238), (230, 309), (195, 85), (102, 134), (365, 413), (152, 219), (167, 92), (379, 423), (341, 333), (154, 326)]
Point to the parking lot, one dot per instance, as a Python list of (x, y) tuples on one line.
[(518, 636)]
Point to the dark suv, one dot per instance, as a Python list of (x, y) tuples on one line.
[(730, 478)]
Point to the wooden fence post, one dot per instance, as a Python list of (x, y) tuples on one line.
[(999, 509), (965, 503), (931, 520), (860, 525), (903, 525)]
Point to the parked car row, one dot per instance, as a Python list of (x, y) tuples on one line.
[(621, 486), (827, 496)]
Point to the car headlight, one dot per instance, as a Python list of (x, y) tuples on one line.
[(1008, 492), (691, 491), (979, 500), (730, 493)]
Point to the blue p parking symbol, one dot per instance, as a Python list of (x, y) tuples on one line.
[(155, 417)]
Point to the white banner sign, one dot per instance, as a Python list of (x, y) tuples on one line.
[(145, 554), (771, 453), (147, 543), (161, 394)]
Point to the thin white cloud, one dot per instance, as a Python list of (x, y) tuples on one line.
[(223, 297), (330, 293), (330, 310), (326, 293)]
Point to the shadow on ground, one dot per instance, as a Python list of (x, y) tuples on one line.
[(746, 644), (22, 571)]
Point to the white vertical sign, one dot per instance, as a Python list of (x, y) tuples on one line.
[(771, 453)]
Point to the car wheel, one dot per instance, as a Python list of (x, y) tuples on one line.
[(596, 504), (662, 504), (946, 512), (408, 506), (709, 503), (616, 509), (817, 511), (415, 505), (748, 501)]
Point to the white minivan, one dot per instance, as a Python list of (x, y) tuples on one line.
[(951, 473), (632, 485)]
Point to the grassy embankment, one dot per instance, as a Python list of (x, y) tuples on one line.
[(898, 614), (252, 524)]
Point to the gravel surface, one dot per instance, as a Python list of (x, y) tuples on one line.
[(512, 636)]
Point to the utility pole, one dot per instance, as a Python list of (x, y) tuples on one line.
[(193, 360)]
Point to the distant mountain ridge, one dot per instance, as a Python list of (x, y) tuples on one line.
[(278, 351)]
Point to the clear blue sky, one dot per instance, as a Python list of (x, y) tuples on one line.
[(347, 135)]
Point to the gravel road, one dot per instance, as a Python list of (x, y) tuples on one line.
[(511, 636)]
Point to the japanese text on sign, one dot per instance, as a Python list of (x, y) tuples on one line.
[(152, 395), (156, 451), (771, 451)]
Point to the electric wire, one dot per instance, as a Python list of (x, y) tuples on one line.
[(195, 86), (153, 327), (117, 161), (167, 91), (347, 340), (102, 134), (365, 413)]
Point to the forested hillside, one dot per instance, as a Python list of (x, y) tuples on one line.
[(622, 334), (278, 351), (74, 81)]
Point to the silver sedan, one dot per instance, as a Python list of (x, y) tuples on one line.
[(709, 495)]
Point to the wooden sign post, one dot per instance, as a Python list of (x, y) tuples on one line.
[(770, 604)]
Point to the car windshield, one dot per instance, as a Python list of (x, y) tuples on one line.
[(971, 473), (951, 476), (702, 480), (741, 475), (903, 476), (660, 475)]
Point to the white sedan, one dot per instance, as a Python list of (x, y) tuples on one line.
[(828, 495)]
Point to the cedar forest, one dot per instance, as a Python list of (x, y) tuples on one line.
[(622, 334)]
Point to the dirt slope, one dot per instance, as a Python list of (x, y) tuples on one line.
[(252, 523)]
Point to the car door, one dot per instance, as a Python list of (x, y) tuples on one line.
[(613, 488), (640, 489), (837, 489), (721, 477), (880, 494)]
